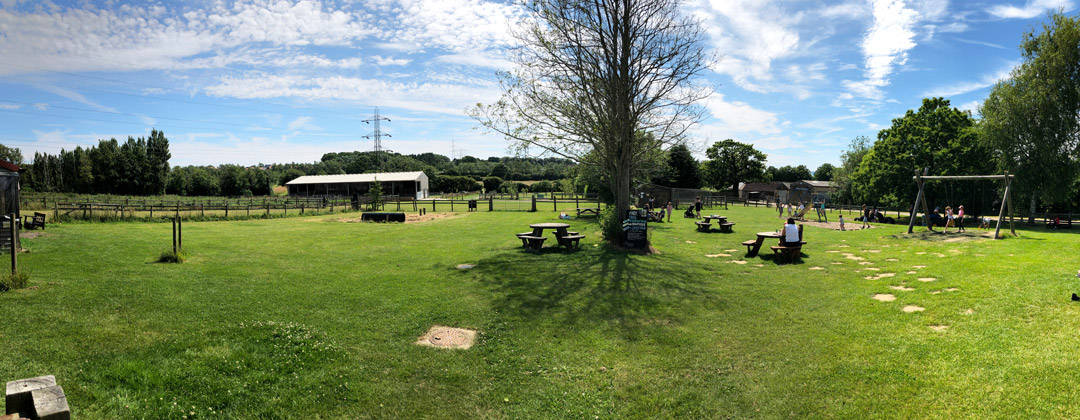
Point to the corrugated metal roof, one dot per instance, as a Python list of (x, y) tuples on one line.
[(348, 178), (820, 184)]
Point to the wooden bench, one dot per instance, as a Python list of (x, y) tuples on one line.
[(35, 221), (703, 226), (726, 227), (571, 241), (588, 210), (533, 242), (524, 242), (750, 245), (789, 251)]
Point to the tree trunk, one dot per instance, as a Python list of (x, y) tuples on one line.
[(622, 195), (1031, 212)]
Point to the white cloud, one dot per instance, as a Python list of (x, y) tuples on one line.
[(983, 82), (885, 47), (1030, 9), (444, 98), (302, 122), (983, 43), (972, 106), (750, 35), (389, 61), (738, 120), (10, 106), (74, 96), (476, 59), (464, 25)]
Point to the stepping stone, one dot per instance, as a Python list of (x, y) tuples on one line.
[(465, 266), (691, 242), (759, 265), (920, 253), (18, 398), (891, 259), (939, 328), (926, 279), (865, 263), (832, 251), (837, 263), (956, 251), (871, 269), (817, 268), (873, 250), (969, 311), (740, 262), (939, 255), (918, 266), (447, 337), (884, 275), (910, 272), (902, 288), (935, 292), (884, 297), (979, 255), (717, 255), (854, 257), (951, 289), (731, 250), (912, 308)]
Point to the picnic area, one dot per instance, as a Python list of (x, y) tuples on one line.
[(276, 316)]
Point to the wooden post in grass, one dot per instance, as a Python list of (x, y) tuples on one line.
[(226, 209), (179, 232), (174, 236), (14, 246)]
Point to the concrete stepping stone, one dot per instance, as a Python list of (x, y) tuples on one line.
[(817, 268), (447, 337), (18, 398), (912, 308), (884, 297), (892, 259), (926, 279), (740, 262), (902, 288), (969, 312), (939, 328), (465, 266)]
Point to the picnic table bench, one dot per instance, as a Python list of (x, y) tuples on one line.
[(787, 249), (726, 226), (35, 221), (535, 240), (704, 226), (595, 211)]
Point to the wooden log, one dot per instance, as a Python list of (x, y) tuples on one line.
[(19, 398)]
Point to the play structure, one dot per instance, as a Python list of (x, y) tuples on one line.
[(920, 198)]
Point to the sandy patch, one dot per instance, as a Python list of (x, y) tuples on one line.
[(884, 297), (951, 289), (926, 279), (918, 266), (691, 242), (829, 225), (910, 272), (817, 268), (939, 328), (892, 259), (447, 337), (902, 288), (912, 308)]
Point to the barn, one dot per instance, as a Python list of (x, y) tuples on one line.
[(405, 184)]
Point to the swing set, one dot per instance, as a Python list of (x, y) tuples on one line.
[(1006, 201)]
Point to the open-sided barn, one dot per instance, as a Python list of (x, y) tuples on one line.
[(410, 184)]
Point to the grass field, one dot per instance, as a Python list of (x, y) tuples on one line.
[(312, 317)]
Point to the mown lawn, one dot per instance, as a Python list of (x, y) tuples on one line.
[(312, 317)]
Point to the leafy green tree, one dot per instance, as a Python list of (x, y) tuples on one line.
[(1031, 122), (685, 171), (375, 195), (731, 162), (850, 160), (937, 136), (492, 183), (824, 172), (11, 154), (500, 170), (157, 163)]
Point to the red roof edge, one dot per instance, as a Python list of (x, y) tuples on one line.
[(9, 166)]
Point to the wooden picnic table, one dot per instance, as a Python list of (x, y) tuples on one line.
[(755, 246), (559, 228), (718, 219)]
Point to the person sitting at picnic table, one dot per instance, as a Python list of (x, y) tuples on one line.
[(790, 232), (669, 210)]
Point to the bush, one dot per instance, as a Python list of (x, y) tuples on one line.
[(544, 186), (13, 281), (610, 224), (168, 256), (492, 183)]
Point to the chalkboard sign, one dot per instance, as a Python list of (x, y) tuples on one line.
[(636, 227)]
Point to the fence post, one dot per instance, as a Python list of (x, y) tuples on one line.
[(14, 245), (180, 232), (174, 236), (491, 203), (226, 209), (267, 208), (533, 202)]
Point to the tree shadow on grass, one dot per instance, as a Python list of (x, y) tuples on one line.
[(593, 284), (968, 236)]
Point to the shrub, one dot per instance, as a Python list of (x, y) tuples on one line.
[(610, 224), (492, 183), (168, 256), (13, 281)]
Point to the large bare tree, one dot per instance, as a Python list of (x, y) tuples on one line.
[(601, 82)]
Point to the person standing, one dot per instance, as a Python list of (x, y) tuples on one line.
[(697, 207), (669, 210), (842, 221), (865, 217), (960, 218)]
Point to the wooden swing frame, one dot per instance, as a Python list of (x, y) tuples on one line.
[(1006, 201)]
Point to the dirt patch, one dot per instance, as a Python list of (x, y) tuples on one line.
[(31, 234), (902, 288), (717, 255), (926, 279), (912, 308), (969, 312), (740, 262), (831, 225), (447, 337), (939, 328), (817, 268), (884, 297)]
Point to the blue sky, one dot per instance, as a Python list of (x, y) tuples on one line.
[(250, 81)]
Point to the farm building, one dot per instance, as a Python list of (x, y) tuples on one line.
[(405, 184), (9, 187)]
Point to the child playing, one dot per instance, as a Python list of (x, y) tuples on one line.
[(842, 222)]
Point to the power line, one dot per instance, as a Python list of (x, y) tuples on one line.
[(377, 135)]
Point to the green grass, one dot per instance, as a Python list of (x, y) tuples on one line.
[(310, 317)]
